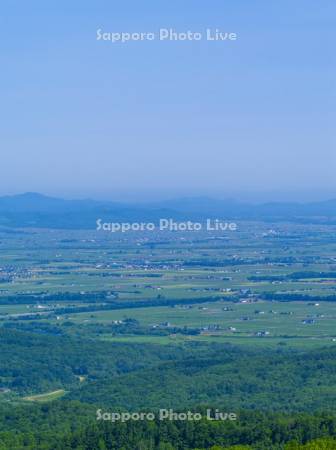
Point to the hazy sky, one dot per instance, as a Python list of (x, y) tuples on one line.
[(88, 118)]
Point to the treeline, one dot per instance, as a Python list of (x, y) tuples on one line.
[(217, 263), (293, 276), (109, 302), (296, 297), (85, 297), (239, 262), (66, 425), (148, 303)]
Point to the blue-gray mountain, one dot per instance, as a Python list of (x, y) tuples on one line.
[(37, 210)]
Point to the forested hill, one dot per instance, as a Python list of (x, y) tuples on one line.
[(67, 425), (134, 376)]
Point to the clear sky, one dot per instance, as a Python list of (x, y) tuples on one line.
[(88, 118)]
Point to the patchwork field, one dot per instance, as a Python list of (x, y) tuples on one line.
[(262, 284)]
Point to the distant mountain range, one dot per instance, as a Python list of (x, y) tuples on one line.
[(37, 210)]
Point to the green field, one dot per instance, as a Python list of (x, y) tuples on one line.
[(79, 279)]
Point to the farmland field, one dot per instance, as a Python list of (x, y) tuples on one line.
[(264, 282)]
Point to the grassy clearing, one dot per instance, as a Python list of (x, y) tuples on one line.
[(46, 397)]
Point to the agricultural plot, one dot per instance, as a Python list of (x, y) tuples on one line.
[(264, 283)]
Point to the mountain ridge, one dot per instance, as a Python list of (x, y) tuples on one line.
[(35, 209)]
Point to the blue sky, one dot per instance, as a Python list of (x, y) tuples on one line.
[(250, 118)]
